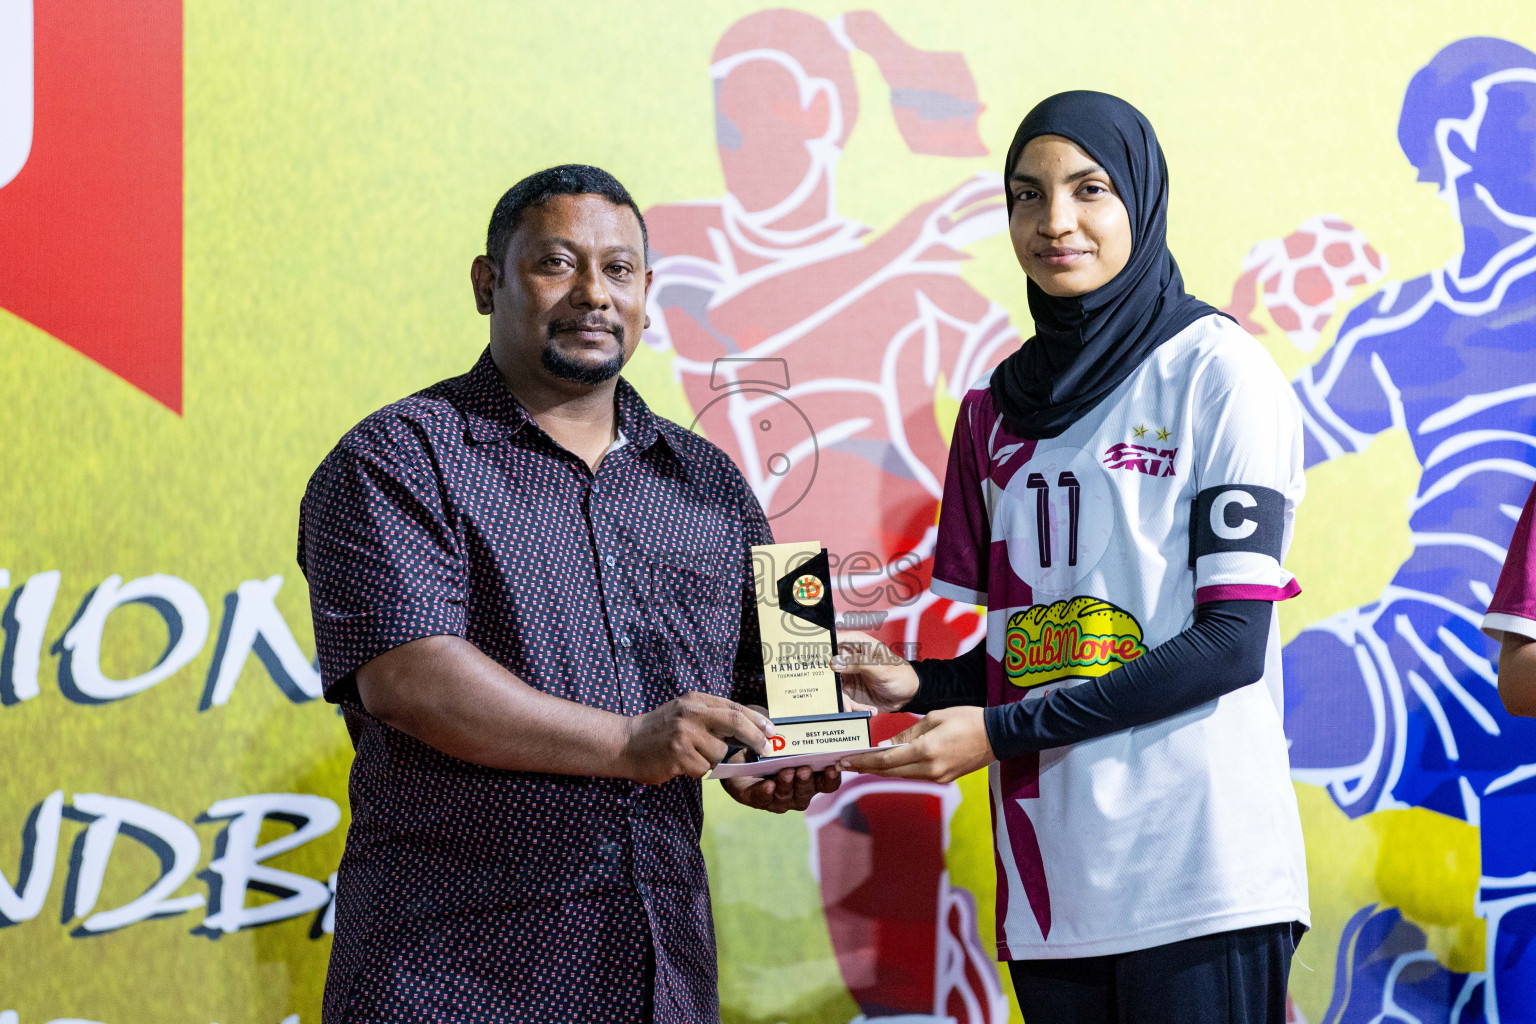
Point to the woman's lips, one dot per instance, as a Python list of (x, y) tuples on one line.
[(1058, 257)]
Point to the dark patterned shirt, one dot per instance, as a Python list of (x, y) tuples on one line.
[(469, 893)]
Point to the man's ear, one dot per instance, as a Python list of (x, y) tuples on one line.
[(647, 295), (482, 278)]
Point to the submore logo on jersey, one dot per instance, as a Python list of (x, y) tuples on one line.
[(1080, 638)]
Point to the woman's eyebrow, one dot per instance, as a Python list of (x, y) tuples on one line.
[(1028, 179)]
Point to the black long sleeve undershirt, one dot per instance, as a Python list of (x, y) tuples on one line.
[(951, 682), (1222, 651)]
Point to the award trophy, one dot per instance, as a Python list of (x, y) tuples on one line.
[(799, 637)]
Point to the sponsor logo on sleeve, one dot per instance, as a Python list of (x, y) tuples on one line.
[(1237, 517), (1080, 638)]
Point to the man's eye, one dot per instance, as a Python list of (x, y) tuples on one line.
[(556, 261), (619, 270)]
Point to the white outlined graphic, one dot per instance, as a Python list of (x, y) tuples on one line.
[(16, 90)]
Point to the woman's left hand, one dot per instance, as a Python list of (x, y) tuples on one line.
[(945, 745)]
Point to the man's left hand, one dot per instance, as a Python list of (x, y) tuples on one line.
[(790, 789), (942, 747)]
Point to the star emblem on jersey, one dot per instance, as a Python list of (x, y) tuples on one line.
[(1162, 435), (1141, 458), (1083, 637), (1140, 432)]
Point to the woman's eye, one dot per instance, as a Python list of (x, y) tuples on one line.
[(1094, 190)]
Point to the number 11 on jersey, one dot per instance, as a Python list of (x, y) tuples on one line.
[(1042, 489)]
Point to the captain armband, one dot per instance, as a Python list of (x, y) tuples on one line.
[(1237, 517)]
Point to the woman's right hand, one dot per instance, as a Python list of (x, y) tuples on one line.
[(875, 678)]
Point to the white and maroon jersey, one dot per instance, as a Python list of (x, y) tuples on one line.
[(1513, 608), (1089, 549)]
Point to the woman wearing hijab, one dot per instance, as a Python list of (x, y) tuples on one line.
[(1120, 496)]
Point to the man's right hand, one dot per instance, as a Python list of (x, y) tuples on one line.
[(874, 676), (689, 736)]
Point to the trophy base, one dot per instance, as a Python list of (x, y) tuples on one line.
[(819, 734), (813, 741)]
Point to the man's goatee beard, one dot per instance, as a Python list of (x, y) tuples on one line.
[(558, 364)]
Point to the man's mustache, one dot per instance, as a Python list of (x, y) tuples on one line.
[(588, 323)]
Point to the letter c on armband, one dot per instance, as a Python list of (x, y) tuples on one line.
[(1237, 517)]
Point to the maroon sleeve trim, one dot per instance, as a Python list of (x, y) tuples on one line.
[(1247, 592)]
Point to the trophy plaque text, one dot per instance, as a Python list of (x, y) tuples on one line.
[(799, 635)]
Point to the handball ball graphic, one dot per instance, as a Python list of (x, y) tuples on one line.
[(1303, 277)]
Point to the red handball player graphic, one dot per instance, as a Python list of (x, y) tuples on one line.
[(905, 938), (820, 356), (816, 354)]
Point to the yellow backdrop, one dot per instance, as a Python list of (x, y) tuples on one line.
[(340, 162)]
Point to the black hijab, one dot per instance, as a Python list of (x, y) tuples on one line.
[(1085, 346)]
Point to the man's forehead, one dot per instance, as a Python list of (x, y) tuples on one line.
[(587, 217)]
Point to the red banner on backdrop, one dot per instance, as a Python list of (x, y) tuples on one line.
[(92, 222)]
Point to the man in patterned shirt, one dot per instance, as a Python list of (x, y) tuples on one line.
[(533, 601)]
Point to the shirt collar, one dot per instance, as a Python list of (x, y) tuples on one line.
[(491, 413), (636, 421)]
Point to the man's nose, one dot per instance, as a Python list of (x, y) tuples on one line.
[(590, 289)]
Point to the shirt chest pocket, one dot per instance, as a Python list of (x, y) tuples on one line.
[(695, 614)]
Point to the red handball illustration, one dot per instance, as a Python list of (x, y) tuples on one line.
[(818, 355), (829, 361), (1303, 277), (905, 938)]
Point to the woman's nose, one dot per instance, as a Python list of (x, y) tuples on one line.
[(1060, 216)]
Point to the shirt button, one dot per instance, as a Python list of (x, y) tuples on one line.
[(623, 640), (609, 561)]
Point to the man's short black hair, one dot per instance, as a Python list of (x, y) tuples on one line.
[(540, 187)]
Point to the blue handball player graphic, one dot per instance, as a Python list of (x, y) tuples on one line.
[(1394, 704)]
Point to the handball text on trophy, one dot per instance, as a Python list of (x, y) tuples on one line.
[(798, 625)]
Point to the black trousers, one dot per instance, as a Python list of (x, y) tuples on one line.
[(1227, 978)]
